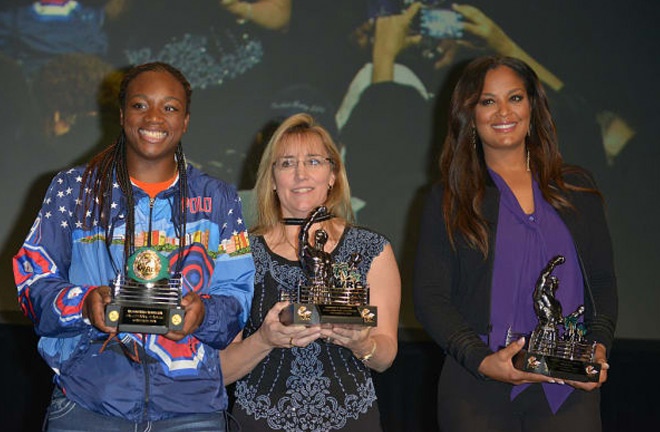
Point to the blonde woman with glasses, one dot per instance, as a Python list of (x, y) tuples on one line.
[(318, 377)]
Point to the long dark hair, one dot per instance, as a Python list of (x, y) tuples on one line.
[(100, 173), (462, 165)]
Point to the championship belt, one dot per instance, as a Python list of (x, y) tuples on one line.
[(147, 299)]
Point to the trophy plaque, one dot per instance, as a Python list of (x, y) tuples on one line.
[(331, 293), (148, 300), (564, 354)]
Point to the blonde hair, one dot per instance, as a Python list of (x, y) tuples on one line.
[(269, 212)]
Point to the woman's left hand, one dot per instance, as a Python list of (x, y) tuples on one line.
[(354, 337), (375, 346), (600, 356), (194, 316)]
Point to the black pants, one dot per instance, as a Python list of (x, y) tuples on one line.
[(466, 403)]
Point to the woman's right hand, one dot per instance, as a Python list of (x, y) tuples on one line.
[(94, 308), (243, 355), (499, 366), (391, 36), (278, 335)]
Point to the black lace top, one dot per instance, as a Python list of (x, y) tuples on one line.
[(320, 387)]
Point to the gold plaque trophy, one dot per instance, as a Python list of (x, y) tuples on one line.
[(323, 297), (564, 355), (148, 300)]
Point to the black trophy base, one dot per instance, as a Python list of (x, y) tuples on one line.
[(143, 318), (310, 314), (557, 367)]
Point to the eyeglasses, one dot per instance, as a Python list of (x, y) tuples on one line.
[(310, 162)]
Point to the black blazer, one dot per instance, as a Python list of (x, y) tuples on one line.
[(452, 287)]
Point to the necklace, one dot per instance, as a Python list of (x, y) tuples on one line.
[(294, 247), (300, 221)]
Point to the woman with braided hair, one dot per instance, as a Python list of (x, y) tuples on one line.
[(137, 195)]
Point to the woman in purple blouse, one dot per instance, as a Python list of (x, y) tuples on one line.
[(506, 205)]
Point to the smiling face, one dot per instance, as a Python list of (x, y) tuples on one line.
[(154, 119), (303, 187), (502, 114)]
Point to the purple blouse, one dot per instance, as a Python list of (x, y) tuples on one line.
[(524, 245)]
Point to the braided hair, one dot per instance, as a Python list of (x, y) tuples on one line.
[(99, 175)]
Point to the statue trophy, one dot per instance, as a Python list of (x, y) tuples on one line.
[(148, 300), (566, 354), (325, 298)]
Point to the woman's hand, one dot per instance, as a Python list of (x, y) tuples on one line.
[(391, 36), (354, 337), (243, 355), (600, 356), (392, 33), (477, 24), (376, 346), (94, 308), (272, 332), (481, 27), (193, 318), (499, 366)]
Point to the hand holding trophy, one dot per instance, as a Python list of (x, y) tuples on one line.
[(324, 297), (147, 300), (565, 354)]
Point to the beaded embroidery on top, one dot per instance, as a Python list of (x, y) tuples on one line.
[(317, 387)]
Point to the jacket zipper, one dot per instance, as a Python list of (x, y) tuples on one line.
[(145, 366)]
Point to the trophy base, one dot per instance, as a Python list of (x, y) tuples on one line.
[(557, 367), (144, 319), (310, 314)]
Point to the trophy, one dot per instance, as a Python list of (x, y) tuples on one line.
[(148, 300), (566, 354), (332, 293)]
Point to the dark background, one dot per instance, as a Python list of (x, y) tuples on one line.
[(243, 76)]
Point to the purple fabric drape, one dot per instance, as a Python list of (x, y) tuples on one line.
[(524, 245)]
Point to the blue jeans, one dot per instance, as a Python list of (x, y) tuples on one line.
[(67, 416)]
